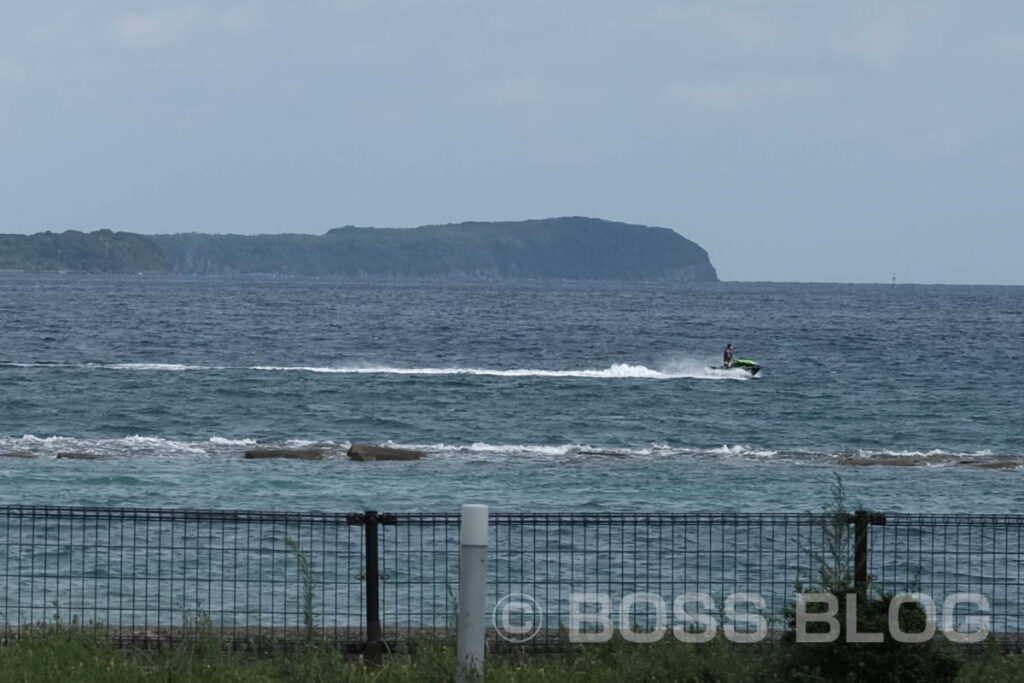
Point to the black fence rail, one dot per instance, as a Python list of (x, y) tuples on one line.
[(369, 582)]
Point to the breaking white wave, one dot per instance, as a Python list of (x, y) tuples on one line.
[(221, 441), (575, 452), (742, 451), (137, 446), (479, 450)]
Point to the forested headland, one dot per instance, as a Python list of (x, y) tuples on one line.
[(554, 248)]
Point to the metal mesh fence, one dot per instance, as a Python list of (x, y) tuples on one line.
[(158, 576), (945, 555), (151, 576), (419, 578), (550, 558)]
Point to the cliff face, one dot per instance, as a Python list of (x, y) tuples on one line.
[(555, 248)]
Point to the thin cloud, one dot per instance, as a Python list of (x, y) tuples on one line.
[(244, 18), (162, 29), (527, 89), (886, 38), (747, 28), (385, 5), (369, 48), (1006, 43), (742, 94), (155, 29), (13, 70), (63, 30)]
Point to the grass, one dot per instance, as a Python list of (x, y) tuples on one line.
[(308, 588), (59, 654)]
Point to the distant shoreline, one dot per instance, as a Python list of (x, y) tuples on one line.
[(471, 279), (571, 248)]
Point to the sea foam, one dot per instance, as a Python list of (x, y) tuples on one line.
[(138, 446)]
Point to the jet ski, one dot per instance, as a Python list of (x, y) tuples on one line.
[(740, 365)]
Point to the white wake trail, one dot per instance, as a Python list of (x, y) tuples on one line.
[(675, 370), (616, 371)]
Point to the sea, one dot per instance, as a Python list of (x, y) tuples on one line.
[(526, 396)]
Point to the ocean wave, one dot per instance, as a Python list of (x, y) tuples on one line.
[(743, 451), (138, 446), (221, 441), (935, 457), (479, 449), (135, 445)]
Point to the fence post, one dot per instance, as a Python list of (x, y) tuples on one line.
[(372, 653), (472, 591), (861, 519)]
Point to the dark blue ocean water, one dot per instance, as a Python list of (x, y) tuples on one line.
[(584, 396)]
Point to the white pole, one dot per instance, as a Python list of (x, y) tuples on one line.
[(472, 591)]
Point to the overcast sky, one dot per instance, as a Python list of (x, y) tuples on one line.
[(794, 140)]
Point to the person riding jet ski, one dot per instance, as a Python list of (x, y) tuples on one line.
[(736, 364)]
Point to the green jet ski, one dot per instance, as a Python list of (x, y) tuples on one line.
[(740, 364)]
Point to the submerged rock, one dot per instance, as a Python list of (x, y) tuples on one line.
[(933, 459), (79, 456), (607, 454), (992, 464), (365, 453), (287, 453), (895, 460)]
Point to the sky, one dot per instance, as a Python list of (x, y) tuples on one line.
[(840, 140)]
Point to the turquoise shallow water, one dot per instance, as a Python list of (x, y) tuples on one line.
[(511, 388)]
